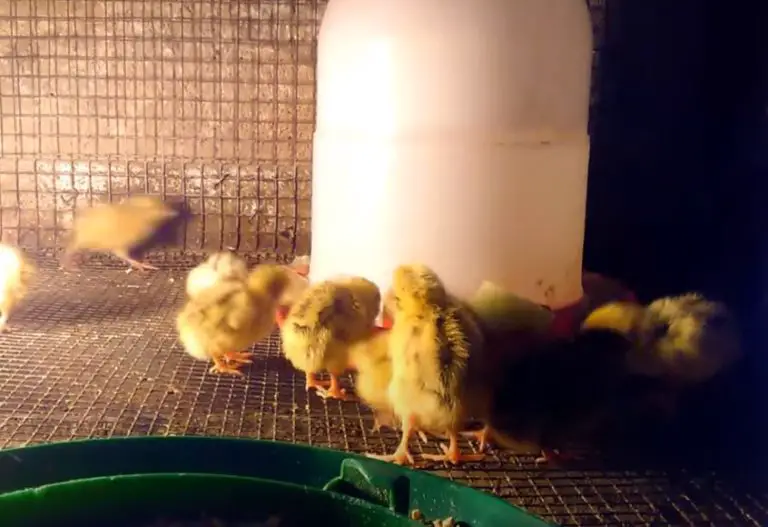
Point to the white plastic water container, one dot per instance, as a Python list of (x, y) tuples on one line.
[(453, 133)]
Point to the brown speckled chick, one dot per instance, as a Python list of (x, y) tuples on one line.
[(435, 344), (323, 323), (122, 228), (683, 340), (230, 316)]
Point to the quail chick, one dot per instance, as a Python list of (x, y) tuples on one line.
[(684, 340), (218, 267), (230, 316), (436, 346), (123, 228), (16, 273), (512, 326), (563, 392), (369, 357), (323, 323)]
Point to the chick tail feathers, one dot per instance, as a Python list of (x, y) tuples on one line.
[(170, 220)]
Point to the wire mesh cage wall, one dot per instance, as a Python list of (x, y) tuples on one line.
[(212, 102), (209, 101)]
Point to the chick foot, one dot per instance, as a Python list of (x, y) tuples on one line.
[(239, 357), (140, 266), (482, 436), (452, 454), (377, 426), (314, 382), (402, 456), (382, 420), (334, 390), (549, 455), (134, 264), (221, 366)]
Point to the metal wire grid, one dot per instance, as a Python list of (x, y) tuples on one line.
[(209, 100), (213, 101), (93, 353)]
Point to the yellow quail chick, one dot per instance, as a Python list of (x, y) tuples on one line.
[(218, 267), (371, 360), (435, 345), (230, 316), (369, 357), (323, 323), (296, 288), (123, 229), (684, 340), (16, 272)]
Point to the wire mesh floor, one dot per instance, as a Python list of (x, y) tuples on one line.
[(93, 353)]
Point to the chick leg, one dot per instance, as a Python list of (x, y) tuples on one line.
[(550, 455), (68, 259), (334, 390), (452, 454), (220, 366), (377, 425), (381, 420), (482, 436), (402, 455), (135, 264), (239, 357), (4, 323), (314, 382)]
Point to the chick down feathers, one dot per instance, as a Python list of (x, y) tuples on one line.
[(325, 320), (232, 314), (16, 273), (435, 343), (122, 228), (684, 338), (220, 266)]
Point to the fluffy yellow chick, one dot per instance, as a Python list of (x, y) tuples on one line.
[(370, 359), (683, 340), (435, 345), (230, 316), (686, 339), (296, 288), (322, 324), (218, 267), (123, 228), (16, 272)]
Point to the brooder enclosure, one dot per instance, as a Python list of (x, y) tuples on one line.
[(212, 103)]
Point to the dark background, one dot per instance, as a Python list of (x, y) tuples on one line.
[(678, 166)]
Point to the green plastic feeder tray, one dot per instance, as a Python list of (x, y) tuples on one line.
[(136, 481)]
